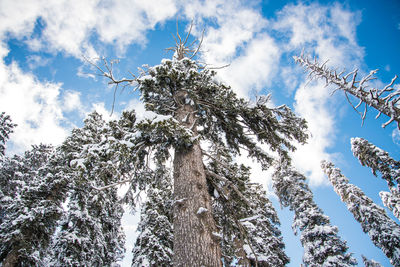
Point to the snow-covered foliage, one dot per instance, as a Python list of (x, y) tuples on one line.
[(322, 245), (377, 159), (6, 127), (154, 243), (91, 233), (384, 100), (33, 187), (370, 263), (383, 231), (193, 106), (391, 200), (380, 161), (246, 218), (220, 116)]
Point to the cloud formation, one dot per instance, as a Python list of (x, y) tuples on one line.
[(236, 34), (328, 33), (34, 106)]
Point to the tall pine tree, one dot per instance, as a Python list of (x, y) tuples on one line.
[(91, 232), (383, 231), (380, 161), (193, 106), (6, 128), (33, 186), (320, 240), (154, 245)]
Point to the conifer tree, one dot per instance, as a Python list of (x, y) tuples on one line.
[(246, 217), (153, 246), (33, 188), (370, 263), (320, 240), (6, 127), (383, 232), (380, 161), (91, 232), (193, 106)]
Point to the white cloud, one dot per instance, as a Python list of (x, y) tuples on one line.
[(72, 101), (101, 109), (396, 136), (33, 105), (239, 35), (312, 104), (328, 33), (68, 25), (255, 68), (35, 61)]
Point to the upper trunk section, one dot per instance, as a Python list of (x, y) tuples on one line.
[(195, 240)]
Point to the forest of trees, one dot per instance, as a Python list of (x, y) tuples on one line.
[(59, 206)]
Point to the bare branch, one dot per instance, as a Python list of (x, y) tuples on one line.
[(383, 100)]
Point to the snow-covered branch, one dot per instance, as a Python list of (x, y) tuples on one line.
[(385, 100), (230, 184)]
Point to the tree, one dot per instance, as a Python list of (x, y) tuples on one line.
[(380, 161), (192, 106), (383, 232), (247, 220), (6, 128), (322, 245), (370, 263), (33, 189), (154, 245), (385, 100), (91, 232)]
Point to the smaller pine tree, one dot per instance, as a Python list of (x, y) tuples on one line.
[(370, 263), (247, 220), (320, 240), (31, 202), (153, 246), (6, 127), (383, 231), (380, 161), (90, 232)]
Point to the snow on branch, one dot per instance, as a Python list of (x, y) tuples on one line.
[(385, 100), (229, 184)]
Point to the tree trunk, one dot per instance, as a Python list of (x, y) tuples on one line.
[(11, 259), (195, 241)]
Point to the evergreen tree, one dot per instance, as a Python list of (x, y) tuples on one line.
[(6, 127), (383, 232), (320, 240), (370, 263), (391, 200), (246, 218), (153, 246), (192, 106), (91, 232), (384, 100), (380, 161), (33, 189)]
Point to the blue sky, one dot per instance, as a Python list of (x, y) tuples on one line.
[(47, 88)]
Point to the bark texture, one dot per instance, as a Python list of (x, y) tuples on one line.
[(11, 259), (195, 242)]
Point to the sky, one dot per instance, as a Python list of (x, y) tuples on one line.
[(48, 88)]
